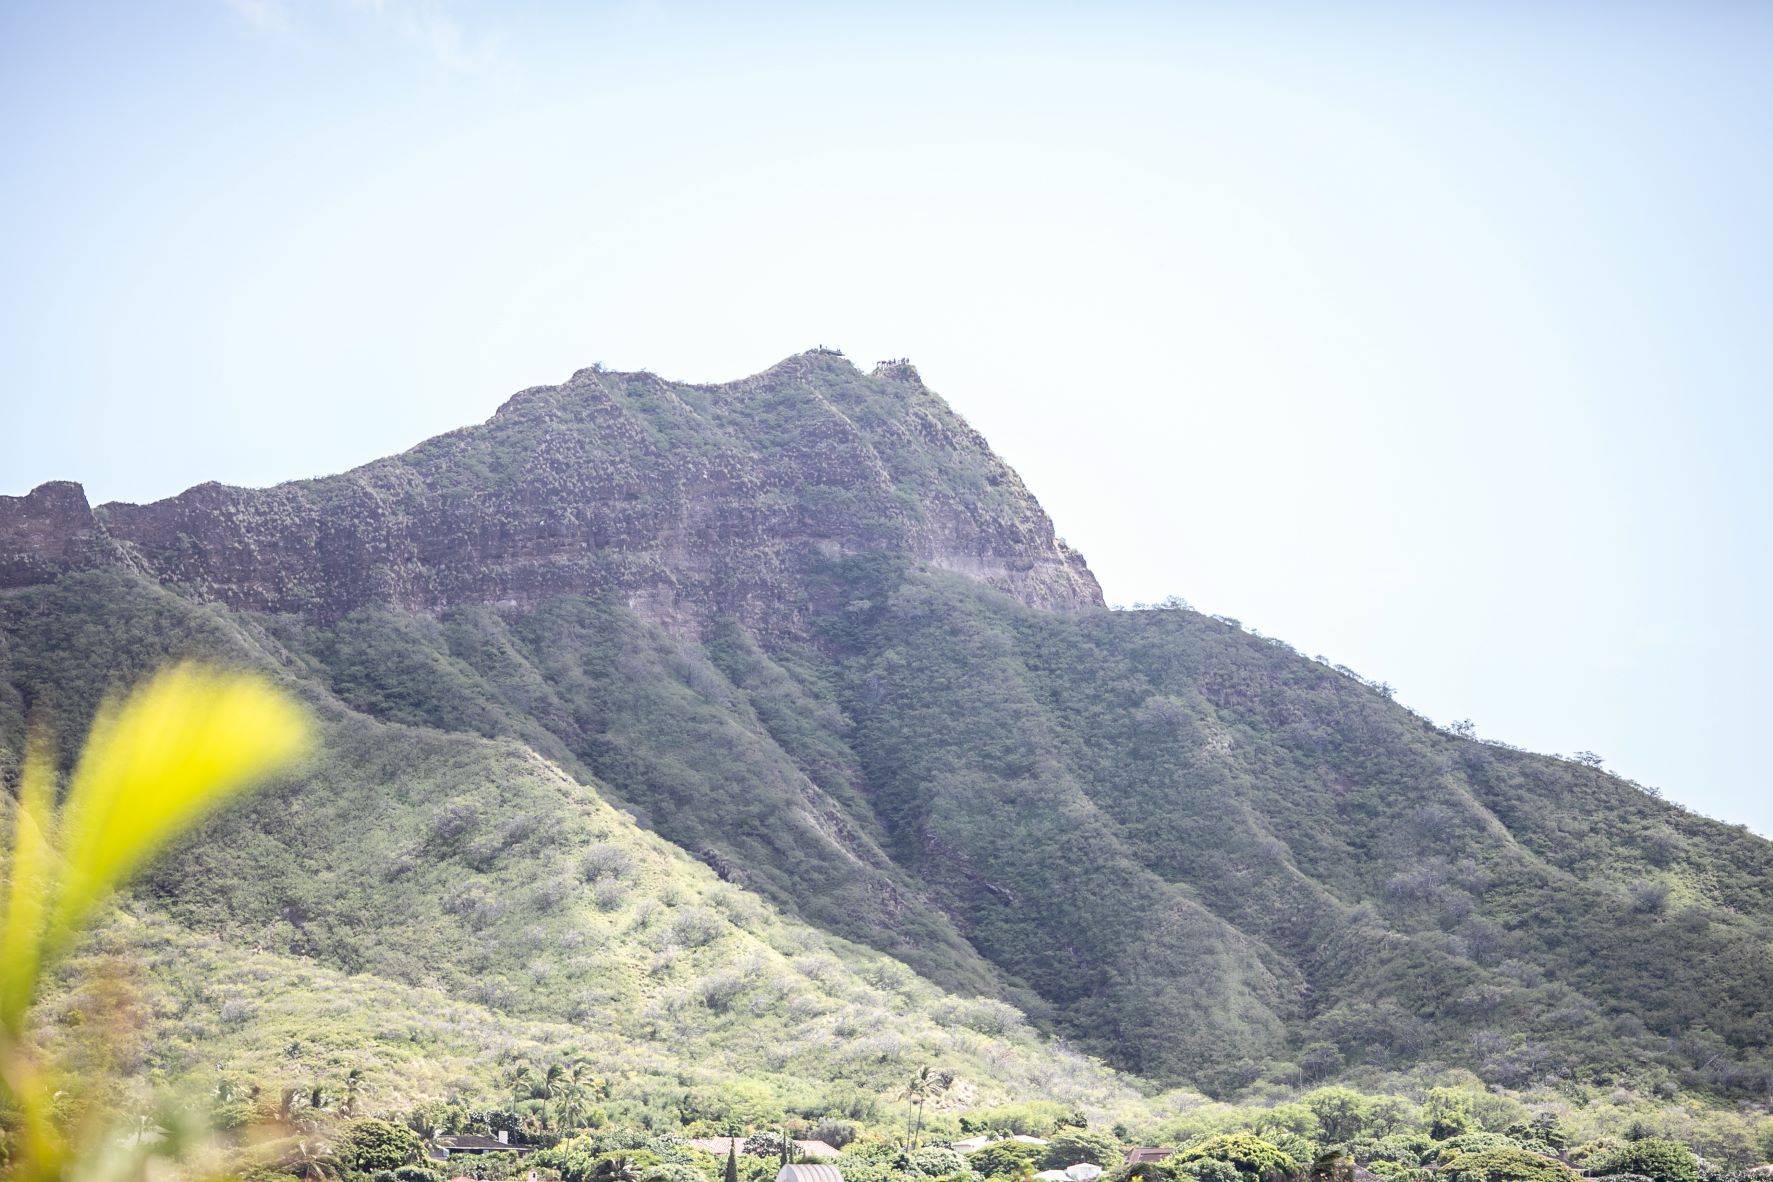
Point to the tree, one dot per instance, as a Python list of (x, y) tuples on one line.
[(732, 1164), (520, 1076), (923, 1085), (310, 1157), (936, 1161), (1150, 1171), (1208, 1170), (573, 1090), (1449, 1112), (1341, 1113), (1505, 1164), (368, 1145), (1072, 1146), (765, 1143), (1254, 1159), (1655, 1158), (670, 1171), (1004, 1159), (623, 1167), (353, 1085)]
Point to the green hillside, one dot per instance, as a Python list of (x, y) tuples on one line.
[(427, 909), (769, 730)]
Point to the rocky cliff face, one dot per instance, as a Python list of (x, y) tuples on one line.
[(49, 531), (684, 499)]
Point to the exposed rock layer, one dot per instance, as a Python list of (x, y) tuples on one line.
[(681, 498)]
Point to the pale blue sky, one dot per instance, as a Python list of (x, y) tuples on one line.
[(1429, 337)]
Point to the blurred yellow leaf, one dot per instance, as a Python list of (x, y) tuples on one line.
[(28, 884), (155, 763)]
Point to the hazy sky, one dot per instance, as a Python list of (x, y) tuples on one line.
[(1433, 338)]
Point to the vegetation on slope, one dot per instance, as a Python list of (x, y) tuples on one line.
[(1207, 857)]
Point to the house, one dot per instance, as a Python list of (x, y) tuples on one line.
[(471, 1144), (818, 1173), (1083, 1171), (1146, 1153)]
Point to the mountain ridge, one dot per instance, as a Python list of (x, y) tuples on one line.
[(806, 627), (660, 527)]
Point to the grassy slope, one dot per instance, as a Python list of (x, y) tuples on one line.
[(422, 905), (1413, 893), (1204, 856)]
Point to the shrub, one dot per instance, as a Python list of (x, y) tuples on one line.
[(1209, 1169), (935, 1161), (1006, 1158), (1654, 1158), (606, 861), (1449, 1113), (1473, 1143), (1504, 1164), (1254, 1159), (1082, 1145), (672, 1172), (368, 1145), (1150, 1171), (694, 927), (1407, 1149), (767, 1143)]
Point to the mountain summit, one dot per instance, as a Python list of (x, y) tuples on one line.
[(683, 499)]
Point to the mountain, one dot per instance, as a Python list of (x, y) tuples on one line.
[(807, 630)]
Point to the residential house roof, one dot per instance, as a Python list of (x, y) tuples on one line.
[(474, 1143), (818, 1173), (1144, 1153)]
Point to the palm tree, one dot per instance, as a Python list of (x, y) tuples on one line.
[(311, 1158), (353, 1084), (923, 1085), (551, 1079), (520, 1075), (619, 1168), (572, 1093)]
